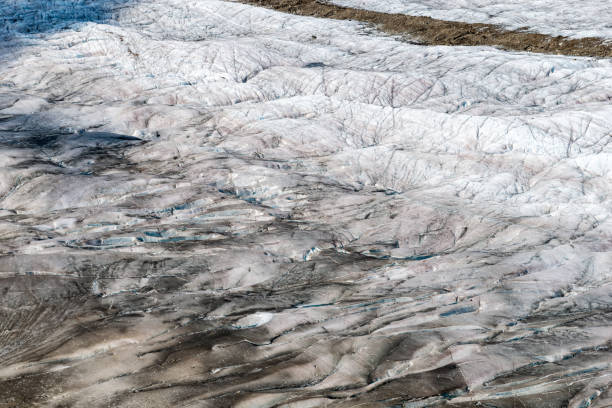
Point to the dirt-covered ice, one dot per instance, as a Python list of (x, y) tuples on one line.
[(208, 204), (589, 18)]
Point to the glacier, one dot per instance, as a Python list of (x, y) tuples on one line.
[(210, 204)]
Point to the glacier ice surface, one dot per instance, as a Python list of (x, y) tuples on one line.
[(210, 204)]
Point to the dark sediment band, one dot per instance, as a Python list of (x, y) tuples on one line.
[(431, 31)]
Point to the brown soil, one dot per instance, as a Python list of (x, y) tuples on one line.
[(430, 31)]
